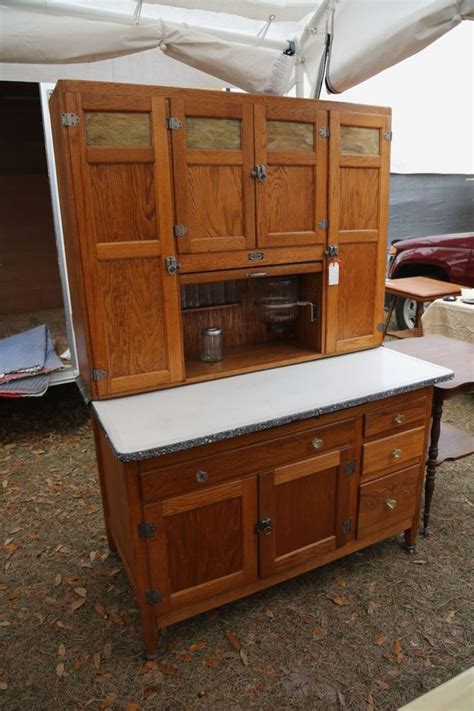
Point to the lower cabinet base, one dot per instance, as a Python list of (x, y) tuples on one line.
[(204, 527)]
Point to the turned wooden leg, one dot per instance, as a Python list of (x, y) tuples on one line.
[(420, 307), (432, 456), (410, 539), (389, 315)]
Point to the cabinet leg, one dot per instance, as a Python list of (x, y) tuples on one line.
[(432, 457), (155, 641), (410, 539)]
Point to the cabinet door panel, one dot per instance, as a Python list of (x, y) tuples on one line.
[(358, 208), (292, 199), (307, 502), (205, 542), (213, 159), (124, 216)]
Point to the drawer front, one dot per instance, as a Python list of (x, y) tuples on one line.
[(388, 453), (387, 500), (389, 419), (201, 473)]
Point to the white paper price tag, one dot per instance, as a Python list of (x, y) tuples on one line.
[(333, 273)]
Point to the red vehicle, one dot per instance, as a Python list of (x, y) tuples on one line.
[(444, 257)]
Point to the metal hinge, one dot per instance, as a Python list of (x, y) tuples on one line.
[(331, 251), (381, 327), (323, 224), (98, 374), (172, 265), (173, 123), (147, 529), (350, 467), (324, 132), (70, 119), (264, 526), (153, 596), (388, 135), (180, 230), (347, 525)]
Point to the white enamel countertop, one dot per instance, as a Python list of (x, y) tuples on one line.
[(141, 426)]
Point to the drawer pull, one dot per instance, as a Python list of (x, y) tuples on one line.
[(201, 476), (396, 453), (399, 419), (317, 443), (391, 504)]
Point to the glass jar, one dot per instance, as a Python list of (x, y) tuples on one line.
[(277, 301), (212, 345)]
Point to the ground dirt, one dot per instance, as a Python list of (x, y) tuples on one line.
[(371, 631)]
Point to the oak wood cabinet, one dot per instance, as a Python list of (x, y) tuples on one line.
[(165, 191), (204, 526)]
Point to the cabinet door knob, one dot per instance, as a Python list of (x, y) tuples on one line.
[(317, 443), (399, 419), (396, 453), (391, 504), (201, 476)]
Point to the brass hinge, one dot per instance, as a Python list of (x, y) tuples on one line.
[(324, 132), (153, 596), (98, 374), (323, 224), (70, 119), (388, 135), (147, 529), (172, 265), (173, 123), (350, 467), (180, 230), (347, 525)]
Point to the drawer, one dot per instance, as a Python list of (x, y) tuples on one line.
[(393, 417), (387, 500), (388, 453), (207, 471)]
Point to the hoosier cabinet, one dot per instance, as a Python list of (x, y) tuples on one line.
[(213, 238)]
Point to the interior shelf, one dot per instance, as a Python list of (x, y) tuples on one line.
[(248, 357)]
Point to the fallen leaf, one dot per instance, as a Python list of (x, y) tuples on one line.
[(79, 662), (166, 669), (419, 561), (341, 698), (96, 659), (130, 706), (269, 614), (101, 678), (184, 656), (304, 617), (62, 650), (371, 607), (372, 585), (108, 650), (201, 693), (58, 579), (3, 685), (449, 616), (76, 605), (339, 600), (341, 582), (380, 640), (382, 684), (233, 640), (197, 646), (151, 690), (244, 658), (397, 648), (60, 669), (80, 591), (106, 701), (317, 632), (370, 702)]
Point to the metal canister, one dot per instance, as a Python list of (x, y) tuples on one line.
[(212, 344)]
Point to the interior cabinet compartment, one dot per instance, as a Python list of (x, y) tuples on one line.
[(269, 316)]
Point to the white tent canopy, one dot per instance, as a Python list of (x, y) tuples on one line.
[(271, 45)]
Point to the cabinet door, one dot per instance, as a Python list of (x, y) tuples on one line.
[(291, 201), (213, 160), (204, 544), (123, 214), (306, 509), (358, 207)]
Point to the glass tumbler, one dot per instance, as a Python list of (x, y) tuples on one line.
[(212, 345)]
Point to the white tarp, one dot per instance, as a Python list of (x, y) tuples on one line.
[(369, 35)]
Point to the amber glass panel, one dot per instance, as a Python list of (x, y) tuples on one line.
[(290, 136), (114, 128), (216, 134), (360, 141)]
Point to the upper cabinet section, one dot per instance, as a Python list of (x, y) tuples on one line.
[(214, 191)]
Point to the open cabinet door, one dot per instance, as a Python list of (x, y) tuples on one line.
[(119, 180), (358, 212)]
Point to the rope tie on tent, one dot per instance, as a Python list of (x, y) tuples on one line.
[(137, 13), (263, 31)]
